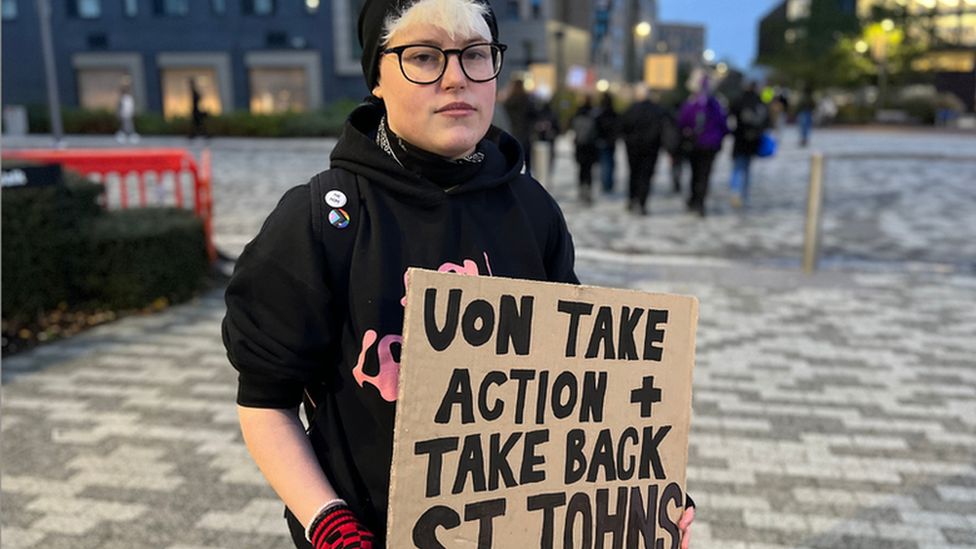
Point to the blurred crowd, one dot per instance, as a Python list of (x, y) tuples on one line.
[(691, 132)]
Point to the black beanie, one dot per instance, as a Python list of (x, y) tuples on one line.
[(371, 26)]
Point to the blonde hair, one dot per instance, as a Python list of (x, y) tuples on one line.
[(459, 18)]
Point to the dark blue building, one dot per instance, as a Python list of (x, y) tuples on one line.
[(257, 55)]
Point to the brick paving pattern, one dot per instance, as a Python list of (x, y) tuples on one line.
[(833, 410)]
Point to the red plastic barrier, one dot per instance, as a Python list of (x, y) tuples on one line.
[(102, 162)]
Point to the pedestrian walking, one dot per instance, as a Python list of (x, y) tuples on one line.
[(521, 118), (751, 117), (197, 114), (703, 127), (606, 123), (547, 130), (126, 111), (779, 108), (585, 135), (672, 142), (314, 308), (641, 127), (804, 115)]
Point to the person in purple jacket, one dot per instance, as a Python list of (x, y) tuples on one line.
[(703, 126)]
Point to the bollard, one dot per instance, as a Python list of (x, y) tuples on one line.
[(540, 163), (811, 244)]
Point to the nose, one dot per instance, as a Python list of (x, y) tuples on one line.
[(453, 74)]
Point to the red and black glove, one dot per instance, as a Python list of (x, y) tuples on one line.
[(337, 528)]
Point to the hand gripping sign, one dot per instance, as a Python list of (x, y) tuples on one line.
[(545, 415)]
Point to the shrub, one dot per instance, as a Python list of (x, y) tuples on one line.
[(325, 122), (61, 250), (138, 256), (42, 231)]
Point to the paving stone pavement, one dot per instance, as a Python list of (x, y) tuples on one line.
[(833, 410)]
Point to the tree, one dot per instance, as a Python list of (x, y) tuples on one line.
[(811, 44)]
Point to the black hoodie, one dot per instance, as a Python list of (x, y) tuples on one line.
[(292, 329)]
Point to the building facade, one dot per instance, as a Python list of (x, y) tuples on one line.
[(256, 55), (618, 46), (945, 28), (545, 39), (686, 41), (261, 56)]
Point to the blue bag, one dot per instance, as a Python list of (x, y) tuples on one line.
[(767, 146)]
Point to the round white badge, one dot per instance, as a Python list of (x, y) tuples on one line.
[(336, 199)]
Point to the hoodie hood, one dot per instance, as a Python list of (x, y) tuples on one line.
[(357, 152)]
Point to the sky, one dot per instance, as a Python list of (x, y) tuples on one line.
[(731, 26)]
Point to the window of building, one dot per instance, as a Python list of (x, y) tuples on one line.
[(85, 9), (99, 88), (278, 89), (258, 7), (9, 9), (512, 9), (346, 49), (177, 98), (219, 7), (797, 9), (311, 6), (130, 7), (171, 7)]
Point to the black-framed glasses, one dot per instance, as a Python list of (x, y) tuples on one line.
[(425, 64)]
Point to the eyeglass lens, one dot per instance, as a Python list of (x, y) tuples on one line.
[(426, 64)]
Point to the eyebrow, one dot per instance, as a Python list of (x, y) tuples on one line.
[(439, 44)]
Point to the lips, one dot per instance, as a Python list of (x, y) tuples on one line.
[(456, 107)]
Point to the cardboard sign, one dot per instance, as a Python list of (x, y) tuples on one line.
[(540, 415)]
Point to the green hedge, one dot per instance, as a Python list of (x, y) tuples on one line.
[(326, 122), (137, 256), (61, 250)]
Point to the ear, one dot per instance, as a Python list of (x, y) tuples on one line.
[(378, 91)]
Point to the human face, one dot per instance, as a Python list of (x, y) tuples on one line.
[(448, 117)]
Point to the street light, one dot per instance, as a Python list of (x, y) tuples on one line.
[(642, 30), (861, 46), (708, 55), (887, 25)]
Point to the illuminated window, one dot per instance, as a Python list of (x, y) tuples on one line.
[(99, 88), (171, 7), (85, 9), (258, 7), (278, 89), (9, 8), (798, 9), (177, 98)]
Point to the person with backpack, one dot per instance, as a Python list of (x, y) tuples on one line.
[(671, 142), (418, 178), (521, 117), (607, 121), (703, 127), (641, 126), (585, 135), (751, 116), (547, 131)]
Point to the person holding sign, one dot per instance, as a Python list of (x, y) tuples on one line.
[(420, 178)]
